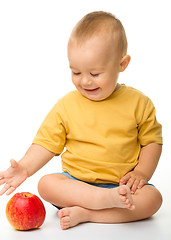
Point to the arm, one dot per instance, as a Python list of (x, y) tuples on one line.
[(148, 160), (34, 159)]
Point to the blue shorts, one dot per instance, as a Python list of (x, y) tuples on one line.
[(103, 185)]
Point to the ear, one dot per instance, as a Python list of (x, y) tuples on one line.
[(124, 62)]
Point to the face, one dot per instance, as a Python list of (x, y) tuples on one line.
[(95, 65)]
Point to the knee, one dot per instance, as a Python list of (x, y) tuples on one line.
[(43, 186), (159, 200), (48, 183), (155, 202)]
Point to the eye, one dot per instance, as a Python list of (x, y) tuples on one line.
[(76, 73), (94, 75)]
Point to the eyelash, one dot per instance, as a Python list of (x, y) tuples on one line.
[(76, 73), (93, 75)]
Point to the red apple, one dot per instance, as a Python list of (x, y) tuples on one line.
[(25, 211)]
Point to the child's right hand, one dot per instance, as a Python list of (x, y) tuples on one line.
[(12, 177)]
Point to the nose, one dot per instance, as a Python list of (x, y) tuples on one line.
[(86, 81)]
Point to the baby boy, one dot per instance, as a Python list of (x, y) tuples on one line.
[(109, 131)]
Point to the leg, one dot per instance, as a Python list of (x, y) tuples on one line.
[(147, 202), (64, 192)]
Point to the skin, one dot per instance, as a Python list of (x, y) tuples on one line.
[(95, 66)]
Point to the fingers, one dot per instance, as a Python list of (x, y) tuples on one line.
[(141, 184), (8, 179), (1, 175), (4, 189), (2, 181), (131, 182), (125, 179), (8, 189), (134, 180), (134, 186)]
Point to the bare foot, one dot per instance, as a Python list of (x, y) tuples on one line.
[(122, 198), (72, 216)]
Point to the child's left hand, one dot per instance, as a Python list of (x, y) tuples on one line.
[(134, 180)]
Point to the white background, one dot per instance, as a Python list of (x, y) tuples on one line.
[(34, 74)]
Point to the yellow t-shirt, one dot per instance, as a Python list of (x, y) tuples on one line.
[(102, 140)]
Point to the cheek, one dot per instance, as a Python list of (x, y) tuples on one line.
[(75, 82), (108, 85), (104, 82)]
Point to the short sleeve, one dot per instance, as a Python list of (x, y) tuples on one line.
[(51, 134), (149, 129)]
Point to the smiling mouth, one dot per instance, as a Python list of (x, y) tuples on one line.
[(91, 90)]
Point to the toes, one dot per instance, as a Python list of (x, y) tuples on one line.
[(64, 218), (123, 198), (63, 212), (132, 207), (60, 213), (64, 226), (123, 189), (129, 205), (65, 223), (127, 202)]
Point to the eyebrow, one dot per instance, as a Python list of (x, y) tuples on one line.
[(98, 68)]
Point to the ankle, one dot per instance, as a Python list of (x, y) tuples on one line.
[(106, 198)]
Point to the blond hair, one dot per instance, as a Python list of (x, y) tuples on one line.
[(95, 23)]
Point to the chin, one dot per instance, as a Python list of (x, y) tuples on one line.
[(95, 99)]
